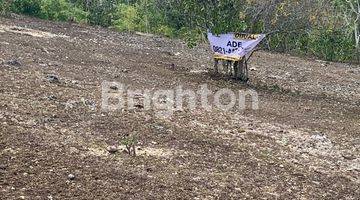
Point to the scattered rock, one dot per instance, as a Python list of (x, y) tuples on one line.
[(112, 149), (199, 71), (159, 128), (74, 82), (274, 77), (172, 66), (242, 130), (3, 167), (348, 156), (253, 69), (51, 97), (70, 104), (113, 87), (43, 49), (52, 79), (49, 119), (13, 62), (54, 64), (144, 34), (31, 122), (90, 103), (162, 129), (71, 177), (73, 150)]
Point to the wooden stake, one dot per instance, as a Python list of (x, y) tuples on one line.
[(216, 67)]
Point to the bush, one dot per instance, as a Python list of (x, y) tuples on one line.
[(127, 18), (27, 7), (191, 36), (79, 16), (101, 12), (55, 10), (325, 43), (166, 31), (331, 45), (61, 10)]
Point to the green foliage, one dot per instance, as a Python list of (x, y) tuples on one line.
[(4, 7), (61, 10), (130, 143), (143, 17), (331, 45), (27, 7), (79, 15), (191, 37), (55, 10), (101, 12), (165, 30), (327, 44), (128, 18), (325, 29)]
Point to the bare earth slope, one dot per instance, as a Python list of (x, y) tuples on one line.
[(303, 142)]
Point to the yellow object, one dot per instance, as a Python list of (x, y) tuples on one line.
[(224, 57)]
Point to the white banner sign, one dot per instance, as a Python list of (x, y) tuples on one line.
[(234, 46)]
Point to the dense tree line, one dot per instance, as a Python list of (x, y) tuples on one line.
[(327, 29)]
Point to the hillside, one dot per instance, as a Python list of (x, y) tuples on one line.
[(302, 143)]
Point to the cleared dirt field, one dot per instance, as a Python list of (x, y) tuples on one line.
[(302, 143)]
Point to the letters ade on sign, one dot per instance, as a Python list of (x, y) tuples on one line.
[(234, 44)]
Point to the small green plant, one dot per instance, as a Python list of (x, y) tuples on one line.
[(275, 88), (130, 142)]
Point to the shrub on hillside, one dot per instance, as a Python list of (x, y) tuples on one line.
[(101, 12), (61, 10), (127, 18), (331, 45), (27, 7)]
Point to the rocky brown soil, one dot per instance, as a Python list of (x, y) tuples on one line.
[(302, 143)]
